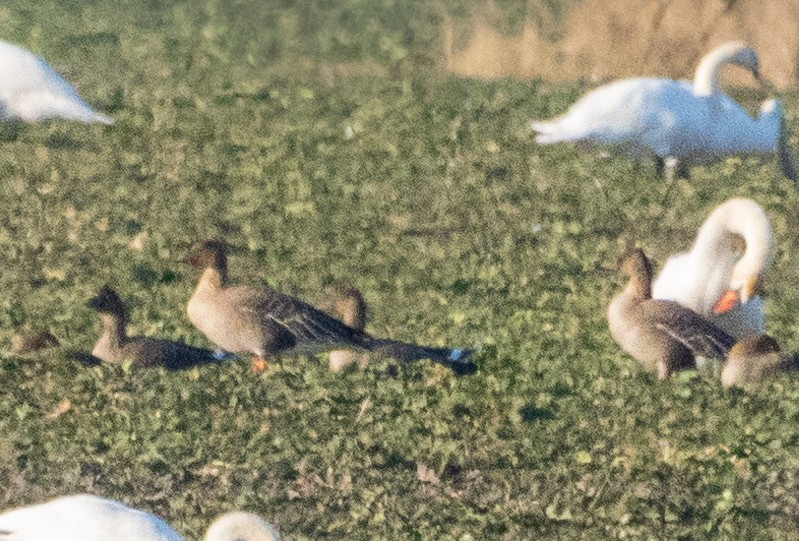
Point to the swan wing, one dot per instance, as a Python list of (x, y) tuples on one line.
[(640, 114), (83, 518), (31, 90)]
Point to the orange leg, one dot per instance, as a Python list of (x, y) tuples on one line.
[(259, 364)]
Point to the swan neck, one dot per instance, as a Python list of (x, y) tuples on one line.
[(706, 77), (736, 217)]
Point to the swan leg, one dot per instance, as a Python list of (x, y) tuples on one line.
[(683, 171), (785, 160), (671, 168), (660, 167)]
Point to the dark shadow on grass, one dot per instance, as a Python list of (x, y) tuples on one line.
[(62, 141), (531, 414)]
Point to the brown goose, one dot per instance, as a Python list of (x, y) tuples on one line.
[(755, 360), (664, 336), (266, 322), (350, 308), (115, 346)]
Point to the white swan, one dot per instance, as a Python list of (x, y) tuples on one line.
[(679, 122), (715, 281), (31, 91), (84, 517)]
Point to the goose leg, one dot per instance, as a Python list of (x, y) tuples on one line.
[(663, 370), (259, 364)]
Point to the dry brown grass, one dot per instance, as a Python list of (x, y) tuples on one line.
[(602, 40)]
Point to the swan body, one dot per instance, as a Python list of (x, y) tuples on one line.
[(85, 517), (678, 121), (30, 90), (699, 278)]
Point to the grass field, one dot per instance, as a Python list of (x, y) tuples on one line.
[(232, 121)]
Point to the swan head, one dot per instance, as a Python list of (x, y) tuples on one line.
[(738, 218), (747, 58), (735, 53), (743, 286), (240, 526)]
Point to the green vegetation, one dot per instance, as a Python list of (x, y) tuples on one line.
[(232, 120)]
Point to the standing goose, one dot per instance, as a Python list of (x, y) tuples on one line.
[(115, 346), (712, 279), (266, 322), (85, 517), (30, 90), (679, 122), (663, 336)]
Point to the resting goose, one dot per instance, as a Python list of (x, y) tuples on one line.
[(755, 360), (713, 279), (662, 335), (85, 517), (266, 323), (30, 90), (350, 308), (679, 122), (115, 346)]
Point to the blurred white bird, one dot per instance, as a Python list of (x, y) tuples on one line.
[(31, 91), (714, 279), (679, 122), (90, 518)]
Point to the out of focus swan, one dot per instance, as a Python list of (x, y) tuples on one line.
[(30, 90), (713, 279), (90, 518), (679, 122)]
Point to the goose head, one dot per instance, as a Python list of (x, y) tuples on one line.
[(734, 53), (107, 302), (636, 266), (209, 254), (352, 309), (240, 526)]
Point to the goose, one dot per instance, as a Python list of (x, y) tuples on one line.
[(754, 360), (115, 346), (85, 517), (679, 122), (30, 90), (712, 279), (265, 322), (663, 336), (349, 307)]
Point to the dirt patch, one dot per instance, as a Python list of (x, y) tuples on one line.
[(600, 40)]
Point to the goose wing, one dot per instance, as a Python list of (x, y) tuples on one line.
[(689, 328)]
